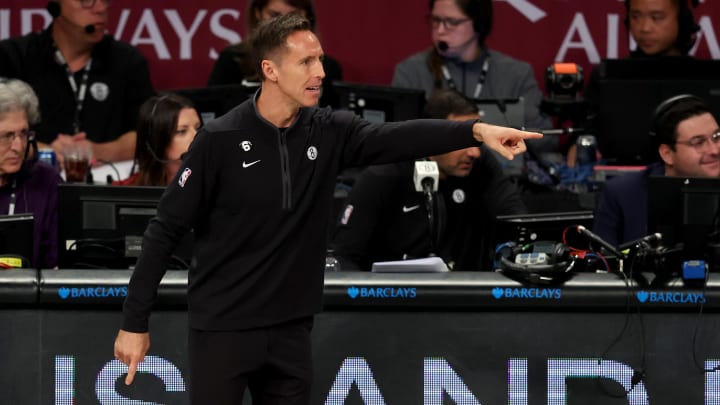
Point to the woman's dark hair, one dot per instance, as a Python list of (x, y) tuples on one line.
[(157, 121)]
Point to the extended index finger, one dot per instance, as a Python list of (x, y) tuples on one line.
[(132, 369), (530, 135)]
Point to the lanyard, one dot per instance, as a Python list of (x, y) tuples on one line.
[(481, 78), (79, 91)]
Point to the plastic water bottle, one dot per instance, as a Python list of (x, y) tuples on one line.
[(586, 149)]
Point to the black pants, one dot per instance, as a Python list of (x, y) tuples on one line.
[(274, 363)]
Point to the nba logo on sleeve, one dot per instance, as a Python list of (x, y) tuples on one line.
[(184, 177)]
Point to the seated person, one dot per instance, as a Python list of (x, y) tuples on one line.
[(27, 185), (90, 85), (660, 28), (688, 141), (166, 126), (235, 66), (384, 218), (459, 59)]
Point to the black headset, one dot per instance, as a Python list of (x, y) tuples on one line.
[(687, 25), (557, 270), (662, 109)]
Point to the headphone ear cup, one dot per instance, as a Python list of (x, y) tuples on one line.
[(561, 253), (534, 274), (686, 27), (626, 21), (53, 7)]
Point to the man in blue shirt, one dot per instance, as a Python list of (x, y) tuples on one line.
[(688, 142)]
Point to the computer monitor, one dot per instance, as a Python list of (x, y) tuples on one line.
[(686, 210), (380, 103), (214, 101), (16, 240), (103, 226), (503, 112), (628, 92)]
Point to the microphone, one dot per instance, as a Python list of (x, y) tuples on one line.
[(595, 238), (426, 176), (443, 46), (89, 29), (655, 237)]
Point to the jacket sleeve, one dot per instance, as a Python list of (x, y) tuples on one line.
[(366, 143), (180, 207), (49, 241), (608, 221)]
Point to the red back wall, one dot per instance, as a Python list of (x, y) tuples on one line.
[(181, 38)]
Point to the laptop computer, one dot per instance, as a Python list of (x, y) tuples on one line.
[(16, 240)]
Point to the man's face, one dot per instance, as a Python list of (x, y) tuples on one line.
[(457, 163), (693, 161), (12, 149), (298, 69), (654, 26), (80, 13)]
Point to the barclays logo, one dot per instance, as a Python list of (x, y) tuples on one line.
[(381, 292), (92, 292), (527, 293), (670, 297)]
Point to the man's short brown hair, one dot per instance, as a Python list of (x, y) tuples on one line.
[(271, 37)]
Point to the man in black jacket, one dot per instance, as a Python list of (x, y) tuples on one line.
[(256, 187), (384, 218)]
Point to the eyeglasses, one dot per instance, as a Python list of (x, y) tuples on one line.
[(91, 3), (449, 23), (8, 138), (699, 142)]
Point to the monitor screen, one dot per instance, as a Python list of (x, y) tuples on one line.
[(503, 112), (214, 101), (16, 240), (628, 92), (103, 226), (686, 210), (381, 103)]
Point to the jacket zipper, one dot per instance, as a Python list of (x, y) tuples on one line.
[(285, 169)]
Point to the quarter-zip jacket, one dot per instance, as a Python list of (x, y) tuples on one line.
[(259, 199)]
